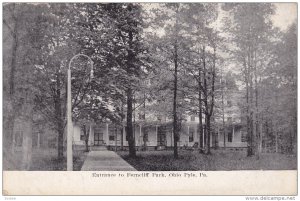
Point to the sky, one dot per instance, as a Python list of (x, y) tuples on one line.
[(286, 14)]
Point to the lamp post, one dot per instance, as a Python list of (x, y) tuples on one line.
[(69, 113)]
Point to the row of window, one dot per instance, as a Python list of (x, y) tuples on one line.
[(228, 118), (99, 137), (145, 137), (193, 118)]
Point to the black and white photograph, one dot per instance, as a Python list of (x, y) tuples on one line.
[(156, 87)]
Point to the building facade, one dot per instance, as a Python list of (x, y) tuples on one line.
[(156, 135)]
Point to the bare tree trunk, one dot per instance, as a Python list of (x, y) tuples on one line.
[(87, 131), (9, 110), (276, 142), (59, 120), (175, 60), (130, 134), (290, 142), (256, 127), (11, 106), (122, 133), (27, 144), (249, 149), (200, 127), (208, 135), (134, 137), (14, 54), (205, 98), (131, 143), (116, 137), (175, 129), (211, 109), (254, 137), (60, 140), (249, 106), (260, 138), (122, 126), (223, 117), (200, 114), (144, 117), (27, 134)]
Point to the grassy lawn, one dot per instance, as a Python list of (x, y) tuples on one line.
[(218, 160), (46, 160)]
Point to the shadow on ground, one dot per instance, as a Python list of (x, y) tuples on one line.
[(46, 160), (218, 160)]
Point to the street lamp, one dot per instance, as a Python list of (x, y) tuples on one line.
[(69, 113)]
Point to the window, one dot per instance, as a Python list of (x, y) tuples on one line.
[(82, 136), (192, 118), (111, 138), (145, 137), (126, 133), (161, 136), (191, 136), (145, 134), (243, 136), (98, 137), (83, 132), (229, 119), (230, 136)]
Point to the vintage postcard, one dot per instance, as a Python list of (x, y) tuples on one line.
[(149, 98)]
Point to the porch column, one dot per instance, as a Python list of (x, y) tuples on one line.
[(260, 137), (211, 139), (172, 138), (188, 128), (107, 136), (232, 133), (218, 135), (38, 140), (203, 142), (72, 131), (140, 138), (90, 135), (122, 137), (156, 130)]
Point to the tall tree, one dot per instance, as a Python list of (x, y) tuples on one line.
[(250, 26), (20, 25), (56, 50), (278, 96), (129, 57), (170, 47), (201, 63)]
